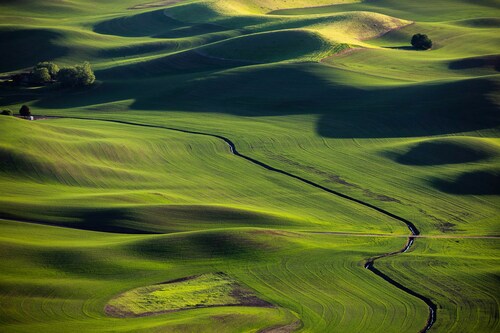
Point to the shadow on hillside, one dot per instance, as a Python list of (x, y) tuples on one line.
[(21, 96), (140, 49), (416, 110), (441, 152), (182, 63), (492, 62), (154, 219), (114, 220), (471, 183), (345, 111), (25, 48), (154, 24), (204, 245), (195, 84)]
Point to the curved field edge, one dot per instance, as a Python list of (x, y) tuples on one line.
[(279, 274)]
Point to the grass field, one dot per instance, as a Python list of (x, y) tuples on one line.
[(133, 184)]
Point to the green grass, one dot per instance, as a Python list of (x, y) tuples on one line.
[(97, 211), (276, 46), (80, 281), (186, 182), (200, 291), (465, 270)]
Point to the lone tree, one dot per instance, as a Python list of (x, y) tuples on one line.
[(6, 112), (76, 76), (24, 111), (421, 42)]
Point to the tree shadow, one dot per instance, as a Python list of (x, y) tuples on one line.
[(402, 47)]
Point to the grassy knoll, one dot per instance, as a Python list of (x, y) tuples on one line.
[(51, 282), (206, 290), (328, 90)]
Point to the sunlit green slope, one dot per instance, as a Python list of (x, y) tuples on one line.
[(328, 90), (54, 284)]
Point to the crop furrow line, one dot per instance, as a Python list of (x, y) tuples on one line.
[(369, 262)]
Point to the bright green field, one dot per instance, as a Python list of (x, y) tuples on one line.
[(206, 290), (324, 89)]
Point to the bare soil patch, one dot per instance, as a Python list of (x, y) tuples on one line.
[(155, 4), (283, 329)]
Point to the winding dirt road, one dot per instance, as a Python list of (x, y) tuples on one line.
[(370, 262)]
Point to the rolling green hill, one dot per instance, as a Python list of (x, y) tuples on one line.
[(257, 153)]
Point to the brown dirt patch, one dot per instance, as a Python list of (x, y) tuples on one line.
[(155, 4), (283, 329), (246, 298)]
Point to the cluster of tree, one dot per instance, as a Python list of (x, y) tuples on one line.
[(76, 76), (48, 72), (45, 72), (24, 111), (421, 42)]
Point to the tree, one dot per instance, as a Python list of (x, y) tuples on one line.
[(6, 112), (24, 111), (85, 74), (41, 75), (421, 42), (77, 76), (52, 68), (67, 76)]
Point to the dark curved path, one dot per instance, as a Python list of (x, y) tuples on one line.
[(370, 262), (431, 319)]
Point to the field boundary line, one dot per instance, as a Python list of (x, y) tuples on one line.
[(369, 264)]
